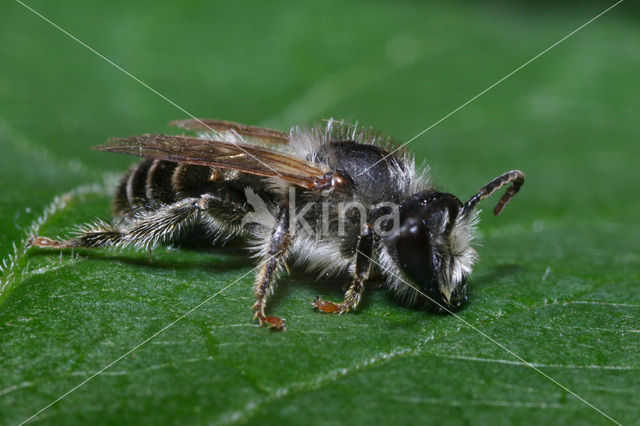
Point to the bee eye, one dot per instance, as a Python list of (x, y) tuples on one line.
[(425, 220), (415, 253)]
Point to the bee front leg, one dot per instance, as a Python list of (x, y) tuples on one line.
[(362, 270), (274, 255)]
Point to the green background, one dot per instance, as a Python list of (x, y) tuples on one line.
[(559, 272)]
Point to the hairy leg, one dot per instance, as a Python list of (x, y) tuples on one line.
[(274, 256), (144, 230), (362, 270)]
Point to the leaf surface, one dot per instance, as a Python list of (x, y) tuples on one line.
[(558, 278)]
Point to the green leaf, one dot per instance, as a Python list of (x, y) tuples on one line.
[(558, 279)]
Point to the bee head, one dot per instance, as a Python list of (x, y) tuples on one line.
[(433, 243), (434, 248)]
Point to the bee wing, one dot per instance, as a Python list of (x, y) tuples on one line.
[(246, 158), (207, 125)]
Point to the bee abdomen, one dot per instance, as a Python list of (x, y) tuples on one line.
[(190, 180), (131, 195), (153, 183), (159, 184), (121, 206), (137, 186)]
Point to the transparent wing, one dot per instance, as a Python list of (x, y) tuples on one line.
[(206, 125), (242, 157)]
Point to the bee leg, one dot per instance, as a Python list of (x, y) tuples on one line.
[(362, 270), (145, 230), (274, 257)]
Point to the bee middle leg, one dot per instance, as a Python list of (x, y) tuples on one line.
[(274, 256), (362, 270)]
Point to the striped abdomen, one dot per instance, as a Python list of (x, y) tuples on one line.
[(151, 184)]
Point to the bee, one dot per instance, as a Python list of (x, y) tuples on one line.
[(333, 199)]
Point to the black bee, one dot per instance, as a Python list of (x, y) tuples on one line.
[(332, 199)]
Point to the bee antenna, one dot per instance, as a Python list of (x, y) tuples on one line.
[(514, 176)]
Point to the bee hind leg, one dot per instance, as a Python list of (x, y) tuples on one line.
[(144, 230), (362, 270), (274, 256), (46, 242)]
